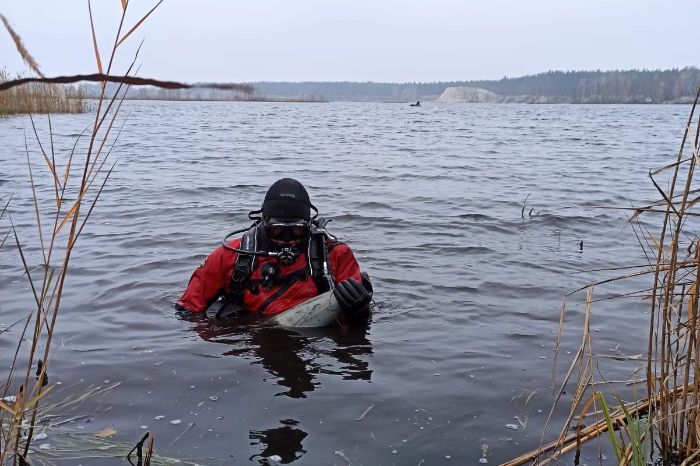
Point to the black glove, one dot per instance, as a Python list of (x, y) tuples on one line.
[(352, 296)]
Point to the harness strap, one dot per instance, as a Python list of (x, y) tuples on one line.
[(286, 281), (281, 279), (243, 267), (319, 268), (319, 263)]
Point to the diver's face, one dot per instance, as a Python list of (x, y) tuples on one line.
[(286, 232)]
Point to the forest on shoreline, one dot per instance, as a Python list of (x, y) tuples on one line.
[(582, 87)]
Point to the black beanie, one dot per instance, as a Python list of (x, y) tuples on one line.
[(287, 199)]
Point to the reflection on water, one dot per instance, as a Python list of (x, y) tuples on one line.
[(284, 442), (294, 358)]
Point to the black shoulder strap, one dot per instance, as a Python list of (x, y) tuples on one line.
[(244, 265), (319, 264)]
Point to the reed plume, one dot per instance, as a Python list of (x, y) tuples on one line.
[(21, 49)]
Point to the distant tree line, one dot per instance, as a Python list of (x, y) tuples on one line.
[(631, 86), (618, 86)]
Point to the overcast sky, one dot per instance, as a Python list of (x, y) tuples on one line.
[(358, 40)]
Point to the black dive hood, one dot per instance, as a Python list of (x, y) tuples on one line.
[(285, 199)]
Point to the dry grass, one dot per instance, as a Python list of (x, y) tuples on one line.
[(672, 366), (61, 212), (39, 98), (68, 443)]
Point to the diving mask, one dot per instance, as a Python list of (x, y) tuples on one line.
[(286, 232)]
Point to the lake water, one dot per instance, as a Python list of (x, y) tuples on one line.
[(472, 220)]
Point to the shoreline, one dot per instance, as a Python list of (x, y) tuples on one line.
[(303, 101)]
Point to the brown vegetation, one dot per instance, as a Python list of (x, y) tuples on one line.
[(668, 419), (38, 98), (77, 181)]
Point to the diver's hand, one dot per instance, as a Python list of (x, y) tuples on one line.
[(352, 296)]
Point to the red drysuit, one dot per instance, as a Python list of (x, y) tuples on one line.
[(212, 280)]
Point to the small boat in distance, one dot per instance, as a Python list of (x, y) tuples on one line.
[(417, 104)]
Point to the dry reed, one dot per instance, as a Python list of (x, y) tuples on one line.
[(21, 49), (672, 405), (39, 98), (66, 207)]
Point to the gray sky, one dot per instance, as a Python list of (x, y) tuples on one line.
[(358, 40)]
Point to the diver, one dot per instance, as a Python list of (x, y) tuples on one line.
[(283, 259)]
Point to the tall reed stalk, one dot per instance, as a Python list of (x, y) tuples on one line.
[(77, 179), (672, 367), (673, 351)]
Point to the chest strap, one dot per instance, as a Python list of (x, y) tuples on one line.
[(319, 266), (284, 282)]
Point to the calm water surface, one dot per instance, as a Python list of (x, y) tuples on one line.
[(431, 199)]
